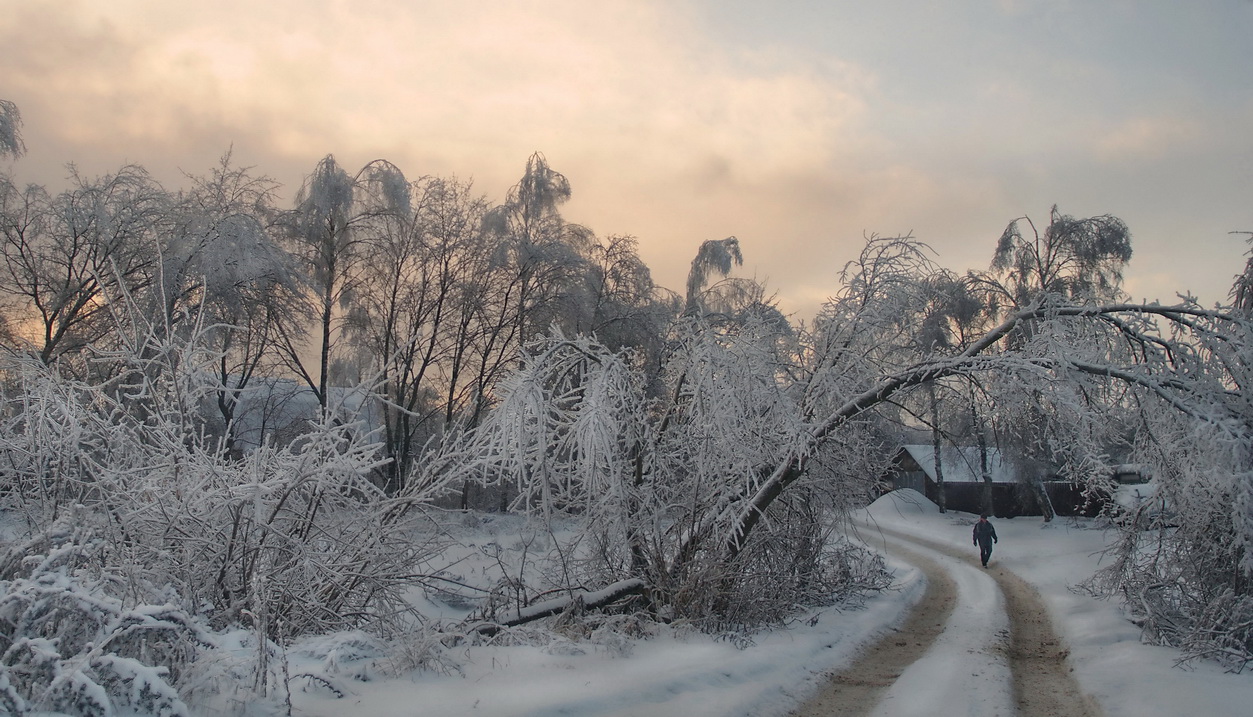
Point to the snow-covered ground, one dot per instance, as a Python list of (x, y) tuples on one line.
[(1126, 677), (690, 674), (962, 669)]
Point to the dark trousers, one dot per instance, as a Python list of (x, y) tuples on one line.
[(985, 550)]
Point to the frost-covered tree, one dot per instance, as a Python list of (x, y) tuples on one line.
[(220, 252), (666, 479), (323, 232), (224, 274), (1182, 563), (1077, 259), (716, 257), (479, 333), (11, 130), (68, 256), (539, 252), (622, 305), (417, 316), (1241, 294), (1072, 261), (659, 483)]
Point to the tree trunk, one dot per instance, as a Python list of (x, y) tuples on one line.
[(984, 473), (1042, 496), (581, 599), (940, 498)]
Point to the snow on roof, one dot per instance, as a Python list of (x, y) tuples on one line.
[(961, 463)]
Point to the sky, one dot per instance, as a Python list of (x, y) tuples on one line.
[(799, 126)]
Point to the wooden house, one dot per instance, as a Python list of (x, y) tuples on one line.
[(914, 466)]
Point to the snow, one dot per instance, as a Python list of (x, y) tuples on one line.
[(963, 670), (694, 675), (1127, 678), (961, 463), (677, 673)]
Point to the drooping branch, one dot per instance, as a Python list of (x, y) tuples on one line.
[(793, 466), (1174, 390)]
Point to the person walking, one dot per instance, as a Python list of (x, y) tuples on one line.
[(984, 536)]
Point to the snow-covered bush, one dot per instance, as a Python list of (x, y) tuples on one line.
[(290, 539), (68, 645), (1180, 561)]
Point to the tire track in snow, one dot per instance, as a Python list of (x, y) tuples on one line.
[(1042, 679), (856, 689), (983, 662), (966, 671), (1043, 683)]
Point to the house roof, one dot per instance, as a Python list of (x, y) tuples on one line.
[(960, 463)]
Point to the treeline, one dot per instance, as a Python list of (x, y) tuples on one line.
[(421, 290)]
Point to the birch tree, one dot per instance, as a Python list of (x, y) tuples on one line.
[(543, 252), (624, 308), (223, 260), (716, 257), (1078, 259), (66, 257), (11, 130), (1072, 260), (324, 235), (417, 315)]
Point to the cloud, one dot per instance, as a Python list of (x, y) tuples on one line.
[(667, 130), (1144, 138), (630, 95), (468, 87)]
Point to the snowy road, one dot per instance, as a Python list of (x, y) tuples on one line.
[(986, 646)]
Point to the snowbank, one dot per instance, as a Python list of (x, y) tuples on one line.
[(904, 503), (678, 673)]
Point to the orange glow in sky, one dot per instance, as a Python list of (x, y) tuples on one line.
[(799, 127)]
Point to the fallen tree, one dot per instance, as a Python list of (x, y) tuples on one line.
[(576, 600)]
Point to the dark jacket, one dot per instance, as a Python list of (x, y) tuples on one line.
[(984, 532)]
